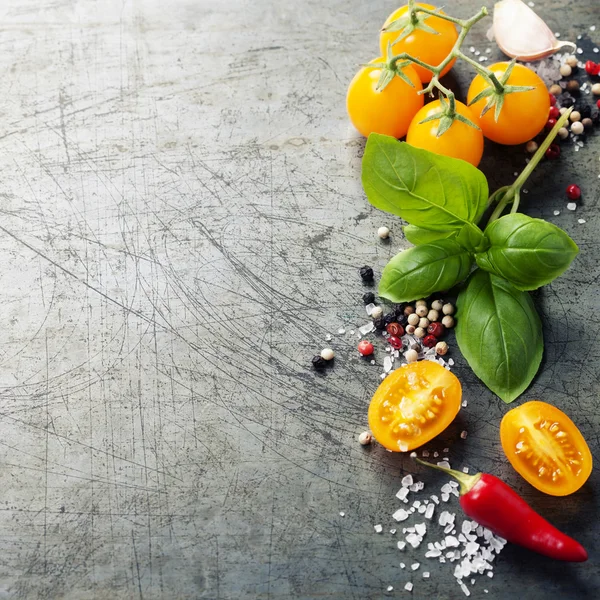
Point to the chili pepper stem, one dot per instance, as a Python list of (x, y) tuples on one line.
[(467, 482)]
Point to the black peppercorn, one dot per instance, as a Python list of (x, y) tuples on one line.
[(366, 273), (586, 111), (379, 323), (319, 362), (567, 102), (401, 319), (389, 318), (369, 298), (399, 308), (595, 117)]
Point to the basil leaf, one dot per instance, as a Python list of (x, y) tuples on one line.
[(499, 333), (528, 252), (472, 238), (418, 235), (426, 189), (422, 270)]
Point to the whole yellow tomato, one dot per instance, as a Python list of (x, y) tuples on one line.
[(388, 111), (460, 141), (429, 47), (523, 114)]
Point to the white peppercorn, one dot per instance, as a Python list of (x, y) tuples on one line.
[(422, 310), (383, 233), (327, 354), (376, 312), (411, 356), (421, 302), (448, 321), (441, 348), (420, 332), (563, 133), (413, 319), (433, 315), (555, 89), (437, 305), (565, 70), (575, 116), (596, 89), (571, 61), (365, 438), (424, 322), (410, 329), (448, 309), (577, 128), (531, 146)]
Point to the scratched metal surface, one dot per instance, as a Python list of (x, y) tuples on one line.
[(181, 221)]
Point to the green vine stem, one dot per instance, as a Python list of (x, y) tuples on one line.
[(395, 63), (505, 195)]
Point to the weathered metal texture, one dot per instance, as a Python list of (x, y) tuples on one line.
[(181, 223)]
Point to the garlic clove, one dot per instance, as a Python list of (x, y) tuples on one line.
[(520, 33)]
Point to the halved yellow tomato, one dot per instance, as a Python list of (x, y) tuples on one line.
[(546, 448), (414, 404)]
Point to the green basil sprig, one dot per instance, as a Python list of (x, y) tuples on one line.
[(443, 200), (528, 252), (499, 333)]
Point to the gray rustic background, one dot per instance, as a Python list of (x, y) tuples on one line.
[(181, 223)]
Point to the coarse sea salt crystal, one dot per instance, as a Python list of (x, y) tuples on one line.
[(328, 337), (571, 206), (406, 481), (556, 213), (443, 463), (465, 589), (452, 542), (463, 435), (445, 497), (401, 546), (465, 469), (392, 531), (342, 514), (408, 587), (581, 221), (402, 493), (414, 540), (370, 308), (421, 529), (425, 453), (387, 364), (415, 566), (433, 553), (378, 528), (367, 328), (429, 511), (425, 574), (400, 515), (435, 499), (341, 331)]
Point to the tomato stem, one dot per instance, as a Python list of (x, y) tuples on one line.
[(436, 71), (512, 194)]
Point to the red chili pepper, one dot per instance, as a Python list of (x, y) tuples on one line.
[(495, 505)]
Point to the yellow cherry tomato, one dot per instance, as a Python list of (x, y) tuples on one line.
[(460, 141), (523, 114), (546, 448), (388, 111), (429, 47), (413, 404)]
